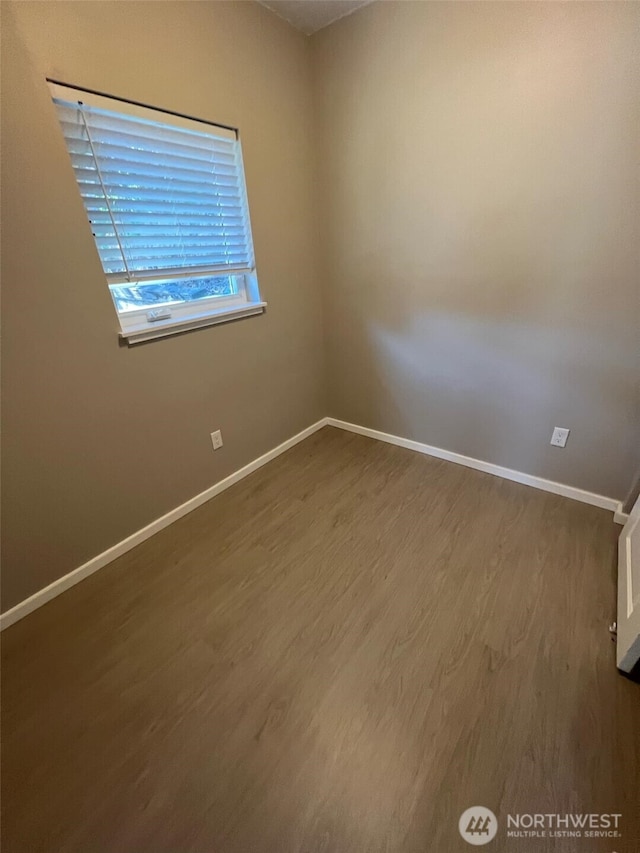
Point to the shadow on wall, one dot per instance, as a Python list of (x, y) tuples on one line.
[(487, 363), (492, 327), (476, 387), (467, 362)]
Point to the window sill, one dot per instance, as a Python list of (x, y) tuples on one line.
[(140, 332)]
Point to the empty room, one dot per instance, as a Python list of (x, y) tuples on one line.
[(320, 426)]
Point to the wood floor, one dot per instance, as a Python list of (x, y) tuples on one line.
[(340, 653)]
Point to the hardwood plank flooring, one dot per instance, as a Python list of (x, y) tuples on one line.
[(340, 653)]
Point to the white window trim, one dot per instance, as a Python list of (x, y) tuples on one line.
[(135, 327), (138, 333)]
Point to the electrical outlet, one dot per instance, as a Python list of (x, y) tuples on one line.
[(559, 437), (216, 439)]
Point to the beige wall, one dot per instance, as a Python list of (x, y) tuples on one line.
[(478, 264), (99, 440), (481, 238)]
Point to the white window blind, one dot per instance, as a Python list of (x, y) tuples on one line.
[(165, 196)]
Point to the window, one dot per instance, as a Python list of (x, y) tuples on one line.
[(166, 201)]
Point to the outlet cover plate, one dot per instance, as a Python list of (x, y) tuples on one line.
[(559, 437)]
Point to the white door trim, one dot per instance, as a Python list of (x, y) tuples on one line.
[(628, 633)]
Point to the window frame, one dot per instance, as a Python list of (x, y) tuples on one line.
[(185, 316), (138, 324)]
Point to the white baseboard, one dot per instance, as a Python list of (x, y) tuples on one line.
[(488, 467), (620, 517), (66, 581), (58, 586)]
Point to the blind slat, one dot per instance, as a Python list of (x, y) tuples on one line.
[(220, 205), (117, 153), (167, 257), (119, 276), (85, 164), (121, 197), (130, 181), (118, 125), (168, 220), (146, 244), (160, 271), (112, 147), (176, 196), (150, 232)]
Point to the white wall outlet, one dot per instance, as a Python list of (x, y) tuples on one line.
[(216, 439), (559, 437)]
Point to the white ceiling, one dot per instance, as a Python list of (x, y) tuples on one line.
[(312, 15)]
